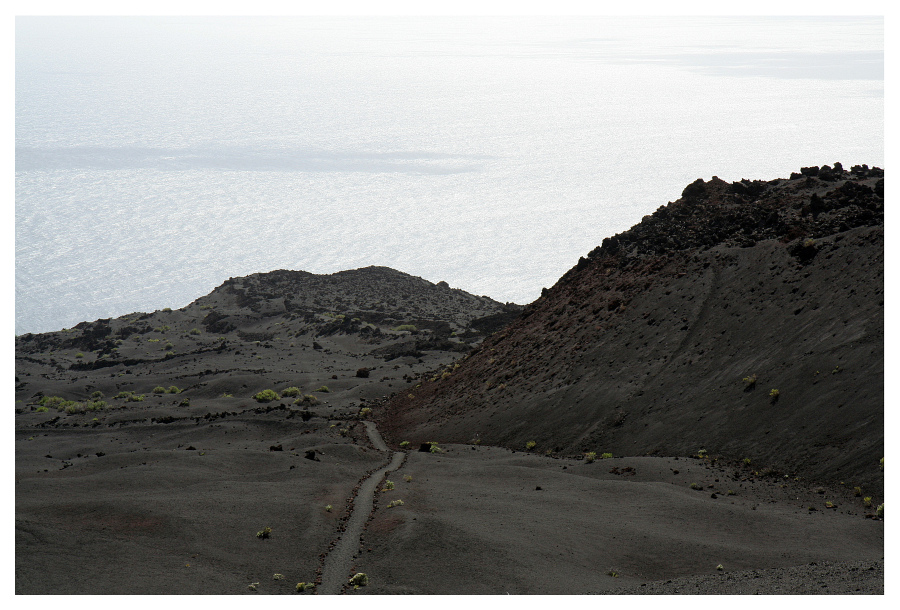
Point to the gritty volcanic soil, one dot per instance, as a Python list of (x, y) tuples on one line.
[(161, 482)]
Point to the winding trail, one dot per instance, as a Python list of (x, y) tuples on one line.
[(337, 564)]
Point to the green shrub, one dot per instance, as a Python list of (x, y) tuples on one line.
[(266, 396), (359, 580), (404, 445), (388, 485), (328, 508), (530, 445), (173, 390), (42, 410), (308, 399), (324, 388), (277, 576), (264, 533), (590, 456), (167, 309), (194, 331), (186, 402), (159, 390), (168, 345), (750, 382), (291, 391), (696, 486), (95, 405), (406, 327), (702, 453), (773, 394), (79, 355), (123, 395), (857, 491), (364, 412), (152, 340), (97, 395), (395, 503), (161, 329), (303, 586), (434, 448), (867, 501), (879, 512), (746, 461), (135, 398), (605, 456)]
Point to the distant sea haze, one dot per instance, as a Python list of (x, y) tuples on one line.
[(157, 157)]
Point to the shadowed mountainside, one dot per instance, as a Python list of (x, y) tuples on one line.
[(746, 319)]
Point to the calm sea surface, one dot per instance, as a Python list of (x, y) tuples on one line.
[(157, 157)]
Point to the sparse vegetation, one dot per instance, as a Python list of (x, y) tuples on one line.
[(304, 586), (42, 409), (530, 445), (696, 486), (185, 402), (308, 399), (159, 390), (773, 395), (328, 508), (605, 456), (277, 576), (435, 448), (702, 454), (867, 501), (194, 331), (364, 412), (747, 461), (173, 390), (266, 396), (79, 355), (264, 533), (749, 382), (291, 391), (590, 456), (388, 486), (395, 503), (406, 327), (407, 478), (97, 395), (720, 568), (879, 512), (324, 388), (404, 445)]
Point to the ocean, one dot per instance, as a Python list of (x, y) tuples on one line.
[(157, 157)]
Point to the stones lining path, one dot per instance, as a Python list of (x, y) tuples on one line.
[(337, 565)]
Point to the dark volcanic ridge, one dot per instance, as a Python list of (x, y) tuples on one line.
[(744, 319), (283, 327)]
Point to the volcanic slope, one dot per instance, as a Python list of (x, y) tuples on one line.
[(745, 319)]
